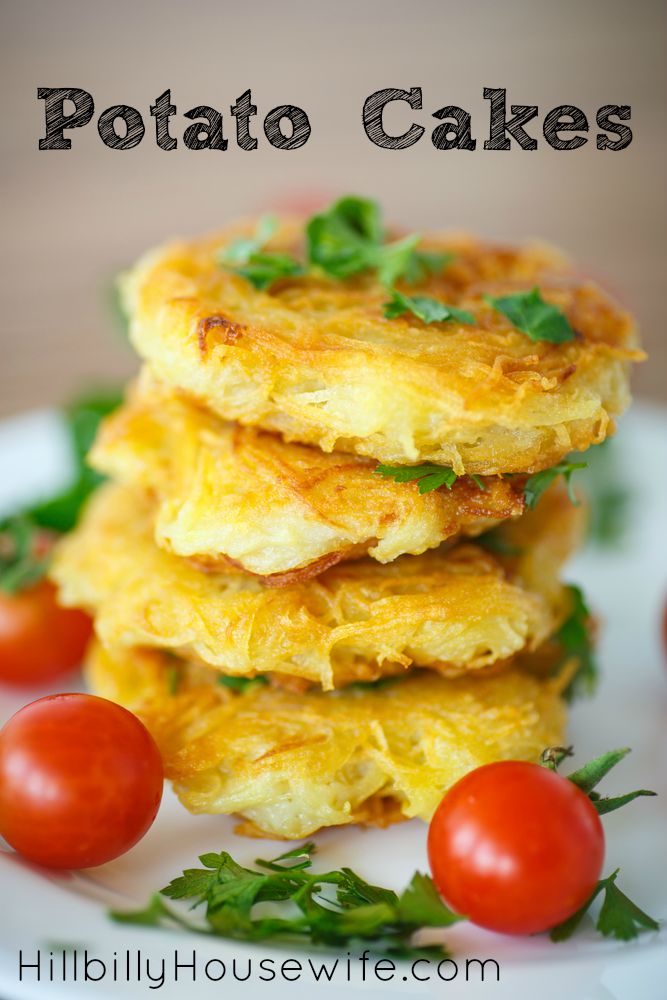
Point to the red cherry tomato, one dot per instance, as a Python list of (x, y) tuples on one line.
[(515, 847), (80, 781), (39, 640)]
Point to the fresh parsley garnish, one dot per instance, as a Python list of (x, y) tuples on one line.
[(429, 476), (21, 562), (340, 909), (336, 908), (249, 259), (609, 490), (242, 249), (575, 640), (528, 312), (619, 917), (263, 269), (424, 262), (82, 417), (349, 238), (494, 541), (541, 481), (426, 309), (24, 553), (242, 684)]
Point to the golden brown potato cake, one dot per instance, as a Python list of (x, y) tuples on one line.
[(316, 359), (226, 493), (292, 763), (457, 610)]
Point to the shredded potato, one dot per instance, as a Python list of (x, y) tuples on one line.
[(316, 359)]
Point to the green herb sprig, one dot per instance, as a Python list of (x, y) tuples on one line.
[(349, 238), (541, 481), (428, 475), (340, 909), (335, 908), (426, 309), (23, 559), (574, 637), (619, 917), (530, 314), (247, 256), (242, 684)]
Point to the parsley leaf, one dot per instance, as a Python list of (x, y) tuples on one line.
[(425, 262), (528, 312), (249, 259), (336, 908), (241, 250), (426, 309), (541, 481), (83, 417), (340, 909), (24, 555), (21, 563), (429, 475), (264, 268), (619, 917), (608, 488), (349, 238), (495, 542), (241, 684), (575, 640)]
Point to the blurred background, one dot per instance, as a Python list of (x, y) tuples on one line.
[(72, 220)]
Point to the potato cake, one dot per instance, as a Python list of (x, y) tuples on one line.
[(290, 762), (457, 610), (231, 494), (317, 360)]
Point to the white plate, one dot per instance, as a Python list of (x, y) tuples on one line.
[(628, 588)]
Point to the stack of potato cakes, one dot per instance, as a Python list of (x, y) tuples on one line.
[(326, 571)]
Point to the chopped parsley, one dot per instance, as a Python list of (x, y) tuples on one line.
[(21, 563), (608, 488), (429, 476), (575, 640), (251, 261), (242, 684), (541, 481), (538, 319), (426, 309), (23, 536), (349, 237)]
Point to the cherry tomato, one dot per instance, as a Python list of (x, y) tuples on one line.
[(39, 640), (80, 781), (515, 847)]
